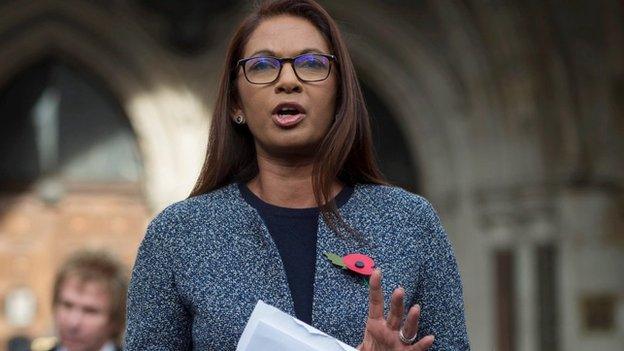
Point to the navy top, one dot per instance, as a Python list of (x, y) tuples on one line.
[(294, 232)]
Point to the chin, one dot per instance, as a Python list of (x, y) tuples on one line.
[(294, 149), (75, 347), (294, 143)]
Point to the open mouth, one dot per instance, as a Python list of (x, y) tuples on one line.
[(288, 114), (288, 111)]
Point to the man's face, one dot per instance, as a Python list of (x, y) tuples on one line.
[(82, 315)]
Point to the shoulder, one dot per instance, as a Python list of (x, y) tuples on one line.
[(395, 205), (219, 201), (197, 212), (391, 198)]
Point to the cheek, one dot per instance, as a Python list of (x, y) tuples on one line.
[(97, 323), (253, 104), (332, 91), (60, 316), (247, 94), (327, 101)]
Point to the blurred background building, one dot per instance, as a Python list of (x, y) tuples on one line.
[(507, 114)]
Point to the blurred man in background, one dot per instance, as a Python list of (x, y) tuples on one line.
[(89, 302)]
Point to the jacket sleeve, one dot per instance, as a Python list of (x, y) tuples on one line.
[(439, 289), (157, 319)]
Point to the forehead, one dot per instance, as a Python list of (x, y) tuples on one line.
[(89, 293), (285, 35)]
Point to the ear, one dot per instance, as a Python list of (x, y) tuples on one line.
[(235, 108), (235, 114)]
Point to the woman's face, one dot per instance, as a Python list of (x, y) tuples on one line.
[(278, 134)]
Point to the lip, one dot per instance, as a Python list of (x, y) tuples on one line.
[(288, 121)]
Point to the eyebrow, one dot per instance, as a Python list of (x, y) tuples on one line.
[(271, 53)]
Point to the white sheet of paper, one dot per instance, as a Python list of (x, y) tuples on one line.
[(269, 329)]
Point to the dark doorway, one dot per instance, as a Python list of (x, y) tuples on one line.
[(393, 153)]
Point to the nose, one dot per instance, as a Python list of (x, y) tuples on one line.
[(288, 82), (73, 319)]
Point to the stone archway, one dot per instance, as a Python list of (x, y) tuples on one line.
[(168, 116)]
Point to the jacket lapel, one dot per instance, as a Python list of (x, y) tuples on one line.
[(263, 250), (340, 297)]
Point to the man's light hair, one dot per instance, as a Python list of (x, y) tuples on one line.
[(101, 267)]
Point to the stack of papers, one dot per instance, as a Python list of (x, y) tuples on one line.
[(269, 329)]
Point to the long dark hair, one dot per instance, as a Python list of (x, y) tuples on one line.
[(345, 153)]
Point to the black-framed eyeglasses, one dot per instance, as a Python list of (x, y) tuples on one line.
[(310, 67)]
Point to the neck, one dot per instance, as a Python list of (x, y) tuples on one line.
[(286, 183)]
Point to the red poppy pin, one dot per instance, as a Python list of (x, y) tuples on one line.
[(354, 262)]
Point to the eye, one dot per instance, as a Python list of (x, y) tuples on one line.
[(312, 62), (91, 310), (66, 305), (262, 64)]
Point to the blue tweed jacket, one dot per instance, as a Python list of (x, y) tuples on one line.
[(207, 260)]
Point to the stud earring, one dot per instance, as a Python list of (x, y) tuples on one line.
[(239, 119)]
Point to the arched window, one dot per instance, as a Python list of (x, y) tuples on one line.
[(60, 123)]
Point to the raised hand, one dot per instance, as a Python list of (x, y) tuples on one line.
[(386, 334)]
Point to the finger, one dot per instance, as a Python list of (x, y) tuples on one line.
[(410, 328), (375, 303), (423, 344), (396, 309)]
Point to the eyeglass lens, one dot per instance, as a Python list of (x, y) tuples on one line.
[(308, 67)]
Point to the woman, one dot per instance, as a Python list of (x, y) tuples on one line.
[(290, 176)]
